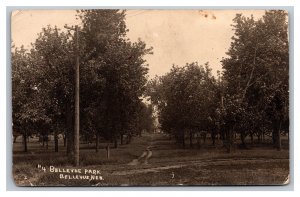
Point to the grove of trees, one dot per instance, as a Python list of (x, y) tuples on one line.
[(185, 98), (112, 82), (250, 97)]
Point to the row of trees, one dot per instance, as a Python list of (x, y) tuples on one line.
[(251, 97), (112, 82)]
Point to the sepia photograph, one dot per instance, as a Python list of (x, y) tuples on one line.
[(150, 97)]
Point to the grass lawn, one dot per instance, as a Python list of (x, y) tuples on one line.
[(168, 166)]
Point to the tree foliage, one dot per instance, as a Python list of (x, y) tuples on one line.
[(112, 79), (118, 70), (256, 74), (185, 98)]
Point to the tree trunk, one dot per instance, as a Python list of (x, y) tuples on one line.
[(183, 141), (213, 137), (43, 139), (191, 139), (251, 135), (243, 140), (70, 142), (276, 135), (122, 139), (231, 139), (228, 140), (25, 141), (278, 145), (128, 139), (223, 135), (115, 142), (69, 132), (259, 137), (47, 140), (97, 142), (56, 140), (107, 151), (278, 128), (65, 140)]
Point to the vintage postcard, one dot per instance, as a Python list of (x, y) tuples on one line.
[(109, 97)]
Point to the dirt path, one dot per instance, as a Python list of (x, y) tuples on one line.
[(145, 156), (203, 162), (157, 167)]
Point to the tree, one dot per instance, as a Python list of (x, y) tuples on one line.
[(256, 72), (146, 119), (185, 99), (118, 66), (112, 80), (27, 110), (52, 52)]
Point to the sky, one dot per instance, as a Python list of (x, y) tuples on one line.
[(177, 36)]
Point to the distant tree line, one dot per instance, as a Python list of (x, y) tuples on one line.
[(250, 97), (113, 75)]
